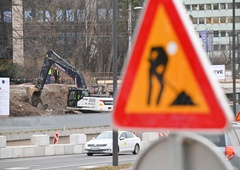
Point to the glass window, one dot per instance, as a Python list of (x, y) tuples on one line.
[(39, 16), (47, 16), (215, 6), (194, 7), (80, 14), (218, 140), (102, 13), (123, 135), (222, 6), (28, 15), (71, 38), (237, 5), (215, 20), (215, 47), (215, 33), (187, 7), (237, 135), (7, 16), (208, 6), (194, 20), (70, 15), (237, 19), (201, 7), (201, 20), (229, 5), (208, 20), (59, 16), (223, 47), (129, 135), (223, 33), (229, 19), (223, 20)]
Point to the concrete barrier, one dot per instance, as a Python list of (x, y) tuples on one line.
[(41, 147)]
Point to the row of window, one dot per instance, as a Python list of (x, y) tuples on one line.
[(63, 15), (217, 34), (215, 20), (60, 15), (213, 6)]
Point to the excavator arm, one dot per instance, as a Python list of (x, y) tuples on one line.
[(53, 58)]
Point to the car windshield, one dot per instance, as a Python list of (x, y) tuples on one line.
[(218, 140), (105, 135)]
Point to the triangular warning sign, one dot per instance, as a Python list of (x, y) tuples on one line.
[(167, 84)]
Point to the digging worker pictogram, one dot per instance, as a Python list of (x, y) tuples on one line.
[(157, 59), (158, 63)]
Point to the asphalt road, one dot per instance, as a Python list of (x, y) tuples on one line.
[(65, 162)]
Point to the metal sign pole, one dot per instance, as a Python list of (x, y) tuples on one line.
[(114, 48)]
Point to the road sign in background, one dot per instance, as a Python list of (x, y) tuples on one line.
[(4, 96), (168, 83)]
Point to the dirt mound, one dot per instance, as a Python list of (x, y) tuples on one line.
[(54, 100)]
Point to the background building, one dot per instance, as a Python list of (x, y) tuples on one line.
[(81, 31), (213, 22)]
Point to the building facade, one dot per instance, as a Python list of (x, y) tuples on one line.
[(67, 25), (213, 21)]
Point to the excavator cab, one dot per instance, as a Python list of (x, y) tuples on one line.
[(75, 95)]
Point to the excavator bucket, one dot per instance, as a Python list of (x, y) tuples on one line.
[(34, 96)]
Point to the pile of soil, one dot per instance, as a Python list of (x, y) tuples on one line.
[(53, 96)]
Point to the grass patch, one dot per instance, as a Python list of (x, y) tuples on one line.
[(119, 167)]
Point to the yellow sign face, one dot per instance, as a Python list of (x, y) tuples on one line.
[(164, 80)]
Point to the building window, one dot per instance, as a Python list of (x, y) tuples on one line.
[(208, 20), (230, 6), (194, 7), (80, 14), (201, 7), (28, 15), (7, 16), (215, 47), (237, 5), (187, 7), (69, 15), (39, 16), (215, 33), (201, 20), (222, 6), (59, 16), (223, 47), (223, 20), (215, 20), (223, 33), (194, 20), (102, 14), (209, 6), (229, 19), (237, 19), (47, 16), (215, 7)]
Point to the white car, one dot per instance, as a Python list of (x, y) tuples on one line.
[(102, 144)]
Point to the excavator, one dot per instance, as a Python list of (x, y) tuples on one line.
[(78, 98)]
